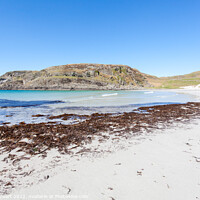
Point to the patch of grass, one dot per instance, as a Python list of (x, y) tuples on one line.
[(175, 84)]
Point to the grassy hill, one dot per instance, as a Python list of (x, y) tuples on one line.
[(175, 82)]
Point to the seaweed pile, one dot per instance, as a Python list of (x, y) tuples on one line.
[(36, 139)]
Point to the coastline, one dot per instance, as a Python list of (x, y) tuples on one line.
[(151, 160), (162, 165)]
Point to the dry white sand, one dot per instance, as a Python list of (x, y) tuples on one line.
[(163, 165), (192, 91)]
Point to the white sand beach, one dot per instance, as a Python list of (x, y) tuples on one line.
[(163, 165), (100, 99)]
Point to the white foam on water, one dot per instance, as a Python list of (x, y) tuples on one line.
[(81, 102), (150, 92), (107, 95)]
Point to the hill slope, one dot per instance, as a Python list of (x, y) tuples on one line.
[(76, 77), (174, 82)]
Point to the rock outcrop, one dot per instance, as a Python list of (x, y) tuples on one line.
[(76, 77)]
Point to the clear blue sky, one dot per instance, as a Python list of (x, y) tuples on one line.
[(159, 37)]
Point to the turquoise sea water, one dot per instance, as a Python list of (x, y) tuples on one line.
[(23, 104), (95, 98)]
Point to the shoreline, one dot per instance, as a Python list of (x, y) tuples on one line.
[(163, 165), (41, 137), (108, 142)]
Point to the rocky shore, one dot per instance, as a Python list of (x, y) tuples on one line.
[(76, 77)]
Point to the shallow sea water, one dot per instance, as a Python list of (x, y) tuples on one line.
[(18, 106)]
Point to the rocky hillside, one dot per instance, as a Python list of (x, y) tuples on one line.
[(76, 77)]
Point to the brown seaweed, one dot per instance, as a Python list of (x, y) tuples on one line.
[(43, 136)]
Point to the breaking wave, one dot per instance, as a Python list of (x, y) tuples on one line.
[(150, 92), (107, 95)]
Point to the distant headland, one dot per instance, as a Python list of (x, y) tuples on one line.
[(88, 76)]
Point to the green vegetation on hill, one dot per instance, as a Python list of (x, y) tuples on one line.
[(92, 76), (76, 77), (175, 82)]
